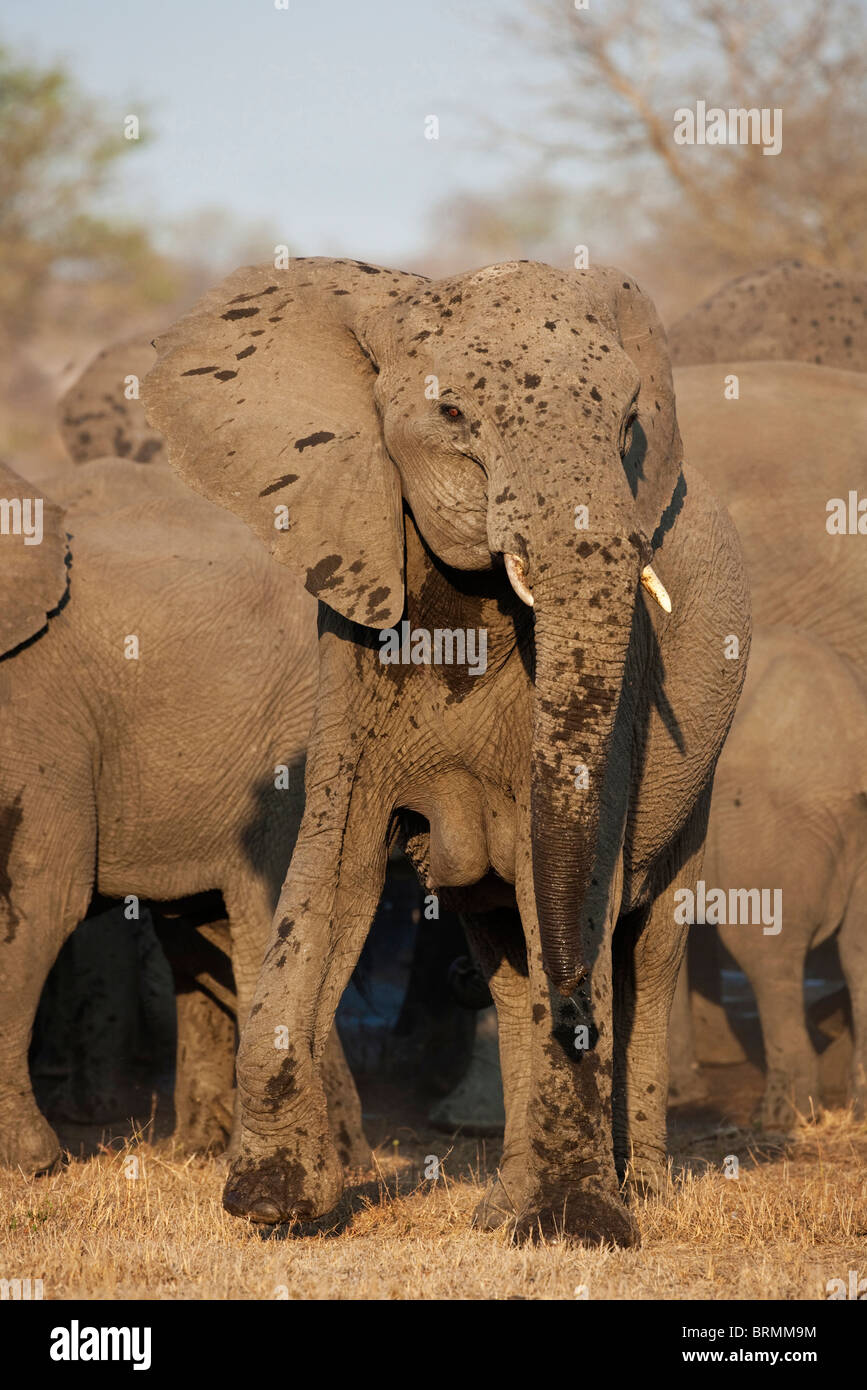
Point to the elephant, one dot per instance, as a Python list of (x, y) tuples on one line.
[(789, 815), (493, 457), (789, 311), (112, 975), (779, 453), (776, 455), (151, 746), (433, 1035), (785, 457), (101, 415)]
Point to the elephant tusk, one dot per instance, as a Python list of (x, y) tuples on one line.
[(655, 587), (515, 571)]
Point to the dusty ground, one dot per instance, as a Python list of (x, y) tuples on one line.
[(795, 1217)]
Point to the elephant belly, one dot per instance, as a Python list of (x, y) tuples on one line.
[(472, 830), (162, 843)]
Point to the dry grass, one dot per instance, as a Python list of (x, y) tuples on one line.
[(795, 1217)]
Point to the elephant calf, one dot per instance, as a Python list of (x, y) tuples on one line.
[(789, 813), (156, 685)]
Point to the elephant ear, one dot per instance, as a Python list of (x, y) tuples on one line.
[(265, 395), (654, 462), (102, 414), (34, 560)]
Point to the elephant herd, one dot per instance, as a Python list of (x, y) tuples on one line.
[(234, 680)]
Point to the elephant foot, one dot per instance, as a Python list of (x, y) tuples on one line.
[(580, 1216), (284, 1184), (502, 1202), (687, 1087), (644, 1179), (788, 1101), (31, 1147), (578, 1213)]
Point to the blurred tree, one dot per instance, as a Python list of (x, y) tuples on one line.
[(74, 276), (56, 159), (596, 161), (624, 71)]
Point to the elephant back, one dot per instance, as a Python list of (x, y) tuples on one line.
[(786, 312)]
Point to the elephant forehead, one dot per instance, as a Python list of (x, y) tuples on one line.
[(489, 368), (518, 298), (514, 330)]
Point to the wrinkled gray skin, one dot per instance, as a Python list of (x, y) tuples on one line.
[(153, 777), (789, 811), (305, 388)]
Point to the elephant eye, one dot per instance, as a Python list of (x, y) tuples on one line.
[(451, 412)]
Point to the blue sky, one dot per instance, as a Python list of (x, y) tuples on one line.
[(309, 120)]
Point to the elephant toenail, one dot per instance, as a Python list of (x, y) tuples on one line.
[(265, 1212)]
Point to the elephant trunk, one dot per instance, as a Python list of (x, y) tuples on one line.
[(581, 651)]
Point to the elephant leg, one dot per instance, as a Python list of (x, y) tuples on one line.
[(497, 941), (287, 1164), (204, 988), (27, 1140), (792, 1066), (567, 1185), (437, 1031), (27, 952), (344, 1105), (250, 909), (852, 943), (157, 1038), (205, 1072), (714, 1037), (105, 978), (47, 858), (649, 951), (475, 1104), (684, 1078)]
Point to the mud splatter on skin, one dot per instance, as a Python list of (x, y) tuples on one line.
[(280, 483), (264, 1190), (323, 575), (311, 440)]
